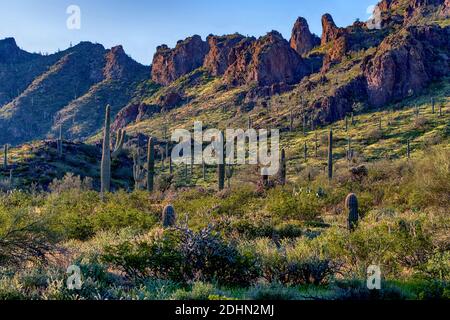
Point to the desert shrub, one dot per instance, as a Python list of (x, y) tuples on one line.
[(285, 204), (429, 184), (81, 215), (395, 244), (292, 263), (72, 183), (198, 291), (71, 213), (123, 209), (420, 123), (434, 290), (357, 290), (374, 135), (7, 184), (236, 203), (273, 292), (210, 258), (183, 255), (24, 237), (157, 256), (10, 289), (437, 267)]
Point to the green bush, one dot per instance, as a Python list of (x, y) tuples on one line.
[(287, 205)]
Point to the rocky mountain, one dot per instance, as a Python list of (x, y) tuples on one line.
[(220, 56), (170, 64), (349, 68), (302, 40), (68, 88)]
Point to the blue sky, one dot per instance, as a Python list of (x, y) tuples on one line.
[(140, 26)]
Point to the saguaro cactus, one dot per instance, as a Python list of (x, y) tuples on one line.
[(440, 110), (346, 123), (432, 105), (330, 154), (221, 164), (59, 143), (283, 168), (138, 171), (349, 148), (204, 170), (5, 156), (305, 151), (351, 205), (316, 146), (304, 125), (408, 149), (291, 121), (169, 217), (150, 164), (105, 169)]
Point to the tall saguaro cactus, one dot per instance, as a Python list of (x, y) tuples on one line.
[(150, 164), (221, 164), (432, 105), (408, 149), (305, 151), (59, 143), (330, 154), (283, 168), (5, 156), (351, 205), (105, 169), (138, 171), (291, 121)]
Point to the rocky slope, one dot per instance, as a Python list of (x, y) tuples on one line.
[(69, 88), (170, 64), (266, 61), (302, 40), (349, 69)]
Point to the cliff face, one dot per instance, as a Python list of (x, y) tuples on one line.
[(219, 57), (170, 64), (406, 62), (330, 31), (267, 61), (302, 40)]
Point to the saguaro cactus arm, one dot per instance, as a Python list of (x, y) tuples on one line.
[(119, 143)]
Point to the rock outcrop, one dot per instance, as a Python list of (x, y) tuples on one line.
[(264, 62), (119, 65), (337, 51), (219, 57), (406, 62), (445, 12), (334, 107), (330, 30), (302, 40), (170, 64)]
